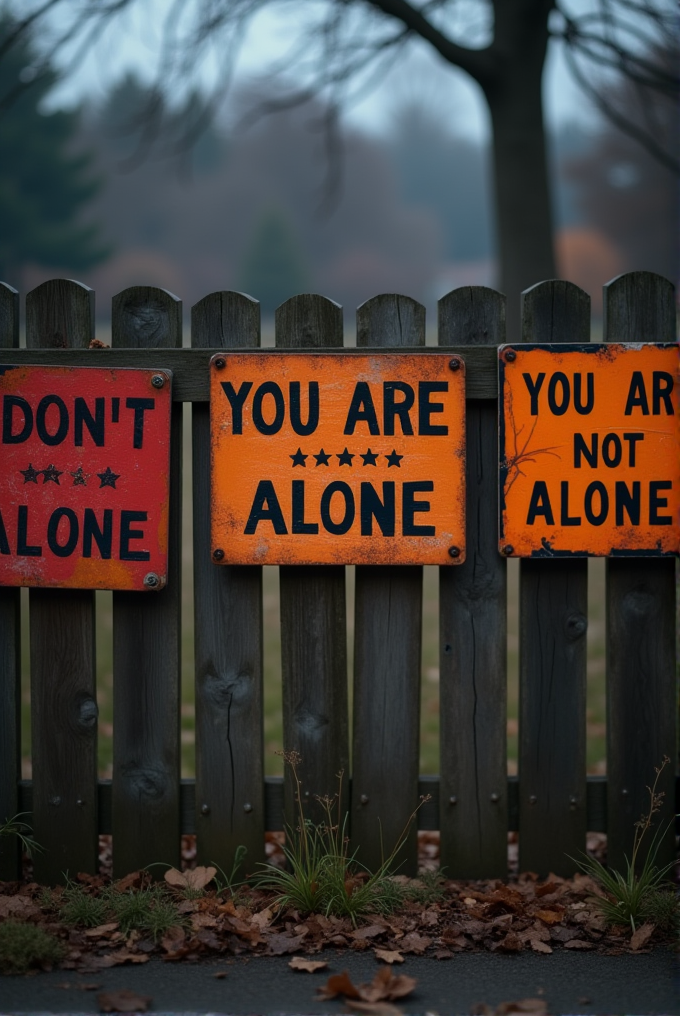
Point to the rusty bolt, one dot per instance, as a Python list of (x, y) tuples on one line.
[(454, 363), (205, 809), (510, 355), (219, 363), (454, 551), (218, 554), (508, 549), (495, 798), (158, 380), (151, 580), (247, 807), (453, 799)]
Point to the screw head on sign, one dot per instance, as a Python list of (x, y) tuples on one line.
[(205, 809), (454, 551), (508, 549), (158, 380), (495, 798), (454, 363), (218, 554), (219, 363), (510, 355), (247, 807), (151, 580), (453, 799)]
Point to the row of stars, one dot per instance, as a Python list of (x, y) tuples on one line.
[(107, 478), (345, 458)]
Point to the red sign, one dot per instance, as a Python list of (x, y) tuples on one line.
[(84, 477)]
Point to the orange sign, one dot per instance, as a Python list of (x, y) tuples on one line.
[(84, 464), (589, 449), (338, 458)]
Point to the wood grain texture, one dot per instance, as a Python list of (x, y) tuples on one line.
[(641, 602), (228, 638), (313, 618), (473, 630), (59, 315), (552, 651), (387, 656), (10, 653), (146, 642), (191, 374)]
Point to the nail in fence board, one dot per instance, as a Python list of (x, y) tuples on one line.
[(641, 668), (60, 315), (227, 638), (552, 651), (387, 656), (10, 653), (146, 642), (473, 630), (313, 618)]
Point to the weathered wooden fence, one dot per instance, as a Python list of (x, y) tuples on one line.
[(146, 806)]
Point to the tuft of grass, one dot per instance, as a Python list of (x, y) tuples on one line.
[(149, 910), (15, 826), (662, 908), (631, 897), (229, 882), (80, 909), (427, 888), (23, 946), (322, 876)]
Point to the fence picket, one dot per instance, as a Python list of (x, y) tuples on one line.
[(387, 656), (146, 642), (227, 636), (313, 619), (552, 651), (641, 669), (10, 652), (60, 315), (473, 630)]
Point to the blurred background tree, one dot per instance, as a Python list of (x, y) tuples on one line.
[(45, 182)]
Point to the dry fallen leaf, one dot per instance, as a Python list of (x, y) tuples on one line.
[(310, 966), (338, 984), (549, 916), (197, 878), (641, 936), (101, 931), (122, 1000), (539, 947), (389, 955), (537, 1006)]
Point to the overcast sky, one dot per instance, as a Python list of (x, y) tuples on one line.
[(132, 42)]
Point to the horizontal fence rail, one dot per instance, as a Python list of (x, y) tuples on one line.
[(146, 807)]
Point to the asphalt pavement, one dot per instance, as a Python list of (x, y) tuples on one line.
[(571, 983)]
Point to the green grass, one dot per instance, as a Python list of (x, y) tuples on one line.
[(273, 739), (25, 946)]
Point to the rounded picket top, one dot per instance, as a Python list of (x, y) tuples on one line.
[(391, 319), (60, 315), (9, 316), (471, 316), (555, 311), (639, 307), (146, 317), (308, 321), (225, 318)]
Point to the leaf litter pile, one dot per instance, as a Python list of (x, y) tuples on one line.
[(97, 923)]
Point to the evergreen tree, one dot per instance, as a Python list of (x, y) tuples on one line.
[(273, 269), (43, 183)]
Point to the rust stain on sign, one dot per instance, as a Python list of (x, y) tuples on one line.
[(589, 449), (84, 478), (331, 458)]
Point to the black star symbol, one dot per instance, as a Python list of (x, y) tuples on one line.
[(394, 459), (108, 478), (79, 478), (299, 459), (51, 474), (322, 458), (369, 458), (30, 475), (346, 458)]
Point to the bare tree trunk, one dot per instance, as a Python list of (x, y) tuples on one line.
[(523, 207)]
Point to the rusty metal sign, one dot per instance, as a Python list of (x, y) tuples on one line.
[(332, 458), (84, 477), (589, 450)]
